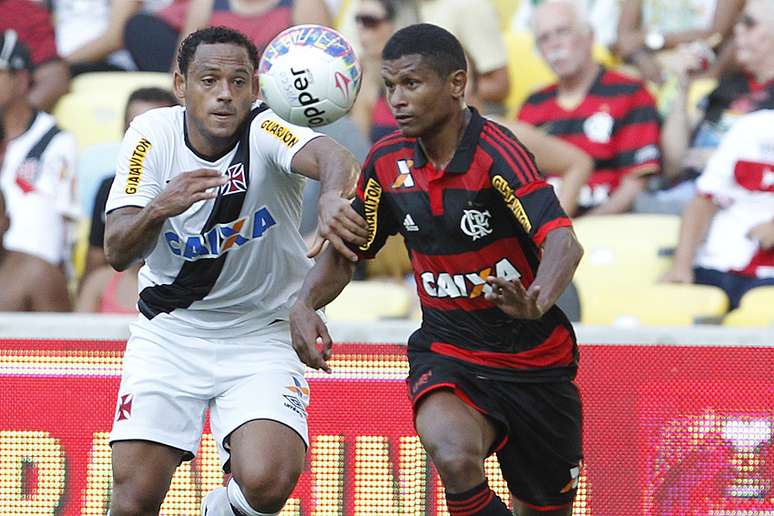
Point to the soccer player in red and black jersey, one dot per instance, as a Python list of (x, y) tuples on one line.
[(492, 367), (609, 115)]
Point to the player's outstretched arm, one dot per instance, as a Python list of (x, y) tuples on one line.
[(323, 283), (337, 170), (561, 254), (132, 232)]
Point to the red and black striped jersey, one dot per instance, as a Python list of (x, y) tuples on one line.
[(487, 213), (617, 124)]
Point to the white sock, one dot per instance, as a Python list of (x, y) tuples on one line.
[(238, 500)]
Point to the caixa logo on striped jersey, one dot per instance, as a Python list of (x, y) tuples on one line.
[(221, 238), (467, 284)]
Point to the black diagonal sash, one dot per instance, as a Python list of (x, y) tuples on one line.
[(197, 278)]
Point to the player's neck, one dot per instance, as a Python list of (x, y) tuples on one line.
[(441, 145), (209, 147)]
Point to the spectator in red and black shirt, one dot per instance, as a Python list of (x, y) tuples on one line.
[(492, 367), (610, 116), (32, 22)]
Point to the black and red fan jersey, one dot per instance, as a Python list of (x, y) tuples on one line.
[(486, 214), (617, 124)]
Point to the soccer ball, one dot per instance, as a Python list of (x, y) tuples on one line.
[(309, 75)]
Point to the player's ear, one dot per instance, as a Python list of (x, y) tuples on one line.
[(457, 82), (179, 86)]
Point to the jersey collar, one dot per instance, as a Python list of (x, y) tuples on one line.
[(463, 156)]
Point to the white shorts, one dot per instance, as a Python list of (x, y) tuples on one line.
[(169, 381)]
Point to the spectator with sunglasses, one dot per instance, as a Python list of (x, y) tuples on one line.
[(474, 24), (687, 146)]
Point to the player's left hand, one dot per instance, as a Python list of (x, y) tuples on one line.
[(310, 338), (512, 298), (338, 223)]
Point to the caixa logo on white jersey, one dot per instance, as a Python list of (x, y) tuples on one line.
[(221, 238), (468, 284)]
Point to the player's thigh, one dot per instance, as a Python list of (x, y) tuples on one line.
[(447, 425), (265, 450), (541, 462), (142, 471), (263, 410), (163, 394)]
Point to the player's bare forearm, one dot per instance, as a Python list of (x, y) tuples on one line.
[(561, 254), (131, 233), (337, 170), (331, 164), (325, 281), (338, 173)]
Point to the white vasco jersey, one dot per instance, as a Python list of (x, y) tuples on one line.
[(38, 182), (226, 266), (740, 180)]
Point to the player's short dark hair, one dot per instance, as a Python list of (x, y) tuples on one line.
[(210, 36), (438, 47)]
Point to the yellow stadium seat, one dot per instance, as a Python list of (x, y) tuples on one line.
[(370, 301), (755, 309), (527, 70), (94, 110), (622, 253), (632, 247), (659, 305)]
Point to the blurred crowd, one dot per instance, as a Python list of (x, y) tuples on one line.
[(629, 106)]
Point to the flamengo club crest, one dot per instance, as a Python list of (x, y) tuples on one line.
[(475, 223), (236, 180)]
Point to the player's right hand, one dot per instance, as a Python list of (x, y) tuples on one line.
[(185, 189), (309, 335)]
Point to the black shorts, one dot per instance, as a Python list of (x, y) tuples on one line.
[(539, 446)]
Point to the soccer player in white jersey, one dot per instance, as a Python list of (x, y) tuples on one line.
[(209, 195)]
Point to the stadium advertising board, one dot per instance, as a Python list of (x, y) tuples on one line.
[(668, 430)]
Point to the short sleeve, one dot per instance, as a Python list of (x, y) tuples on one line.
[(138, 174), (58, 178), (718, 175), (637, 136), (371, 204), (278, 140), (514, 175)]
